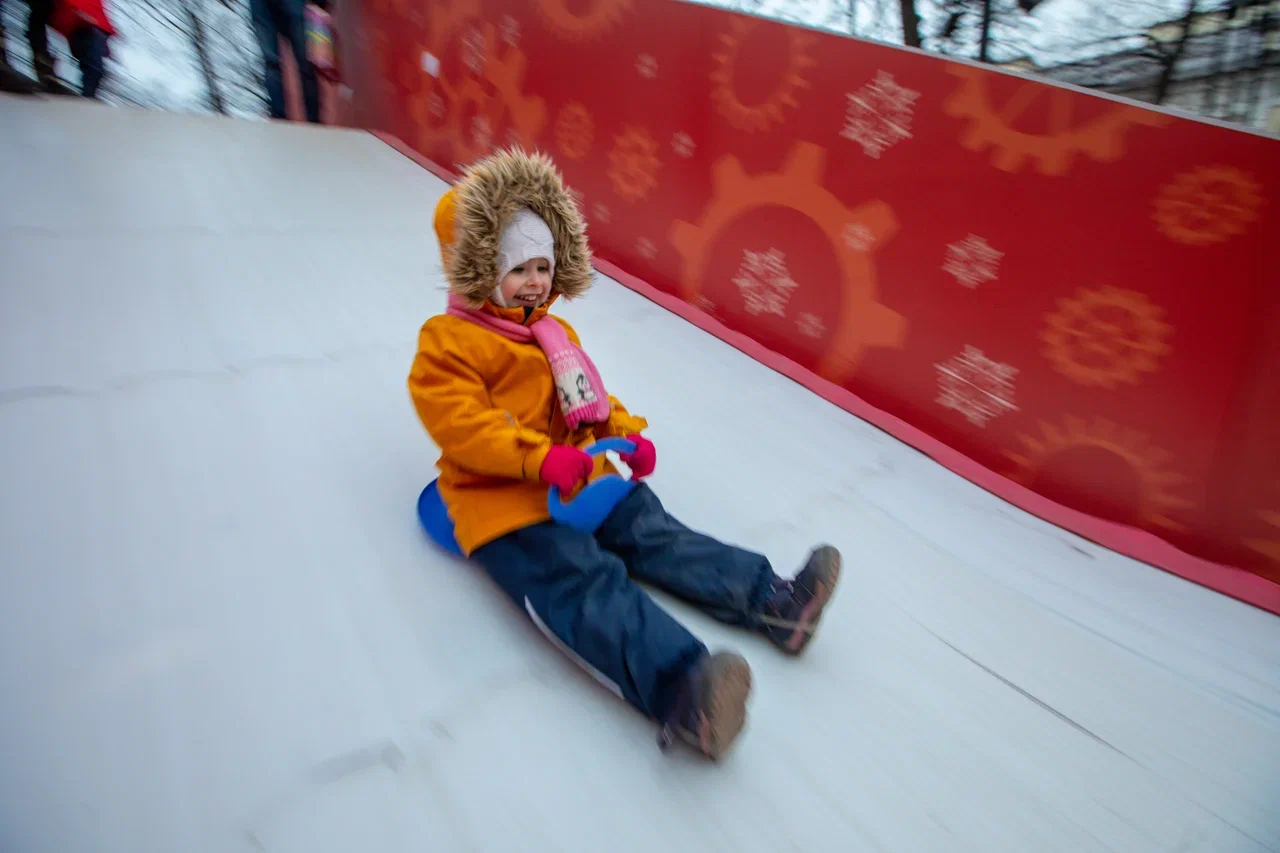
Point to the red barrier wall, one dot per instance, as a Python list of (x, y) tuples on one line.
[(1067, 298)]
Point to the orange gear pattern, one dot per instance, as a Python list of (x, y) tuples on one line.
[(1107, 337), (1100, 138), (764, 115), (470, 101), (1208, 205), (862, 322), (1156, 482), (426, 111), (574, 130), (528, 113), (602, 16), (444, 20), (506, 74), (634, 164), (419, 93)]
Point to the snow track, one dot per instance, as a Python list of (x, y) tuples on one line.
[(221, 628)]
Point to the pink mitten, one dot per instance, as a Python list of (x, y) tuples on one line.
[(565, 466), (643, 459)]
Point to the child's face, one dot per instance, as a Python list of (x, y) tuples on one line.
[(527, 285)]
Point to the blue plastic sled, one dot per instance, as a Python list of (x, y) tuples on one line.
[(585, 512)]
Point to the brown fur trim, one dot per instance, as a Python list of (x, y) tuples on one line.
[(487, 196)]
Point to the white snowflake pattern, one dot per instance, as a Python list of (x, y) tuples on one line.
[(858, 237), (764, 282), (879, 114), (473, 50), (435, 105), (647, 66), (972, 261), (646, 249), (811, 326), (703, 302), (510, 30), (601, 212), (683, 144), (976, 386), (430, 63)]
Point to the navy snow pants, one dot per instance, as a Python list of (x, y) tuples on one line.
[(579, 590)]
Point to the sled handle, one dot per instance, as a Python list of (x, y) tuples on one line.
[(598, 498), (604, 445)]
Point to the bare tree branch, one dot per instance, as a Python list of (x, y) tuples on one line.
[(200, 45), (1166, 74), (213, 39), (910, 24)]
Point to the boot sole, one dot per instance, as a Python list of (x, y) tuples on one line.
[(723, 710), (824, 587)]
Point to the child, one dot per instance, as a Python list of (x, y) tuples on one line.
[(322, 40), (510, 397)]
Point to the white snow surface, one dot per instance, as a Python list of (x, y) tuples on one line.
[(222, 628)]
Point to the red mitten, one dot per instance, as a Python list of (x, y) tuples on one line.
[(565, 466), (643, 459)]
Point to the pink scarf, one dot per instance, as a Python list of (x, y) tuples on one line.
[(581, 391)]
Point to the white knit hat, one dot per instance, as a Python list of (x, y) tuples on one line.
[(525, 237)]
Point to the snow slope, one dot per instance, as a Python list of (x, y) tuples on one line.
[(221, 628)]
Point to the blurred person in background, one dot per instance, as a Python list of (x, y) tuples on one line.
[(322, 41), (85, 25), (11, 79), (87, 29), (271, 20), (41, 59)]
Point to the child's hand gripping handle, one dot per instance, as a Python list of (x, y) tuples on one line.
[(565, 467), (642, 458), (595, 502)]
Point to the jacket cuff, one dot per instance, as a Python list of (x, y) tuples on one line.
[(531, 467), (628, 425)]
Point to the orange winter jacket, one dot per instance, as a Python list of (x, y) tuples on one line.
[(489, 404)]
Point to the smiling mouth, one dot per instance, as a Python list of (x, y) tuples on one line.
[(532, 299)]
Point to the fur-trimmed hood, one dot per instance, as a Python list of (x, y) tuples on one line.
[(483, 202)]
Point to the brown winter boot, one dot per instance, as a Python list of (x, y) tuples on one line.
[(710, 707), (792, 612)]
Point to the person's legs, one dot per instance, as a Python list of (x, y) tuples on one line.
[(726, 582), (88, 45), (41, 11), (264, 27), (580, 597), (295, 29)]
